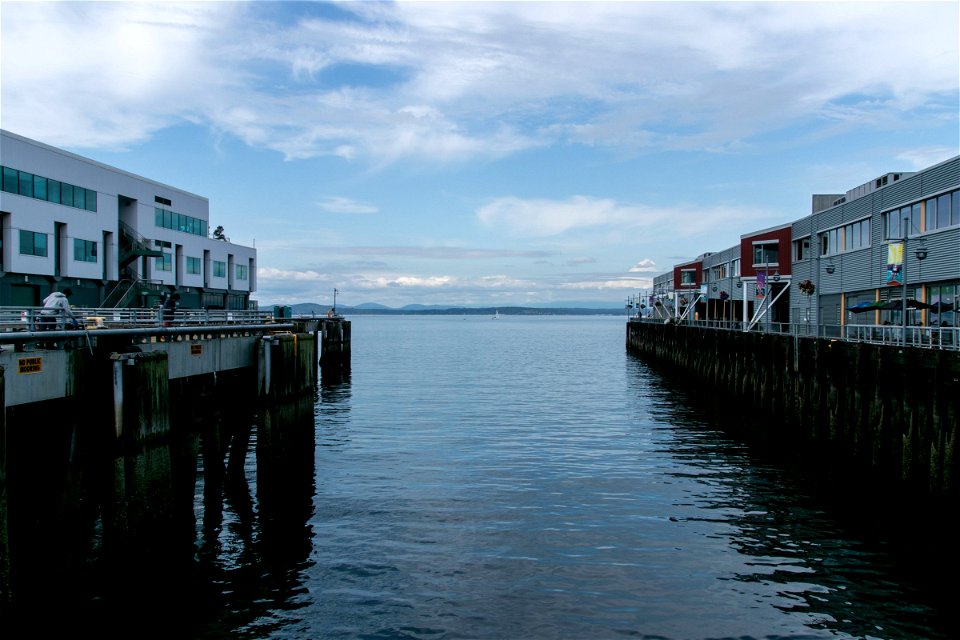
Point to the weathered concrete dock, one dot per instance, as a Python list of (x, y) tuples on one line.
[(888, 414), (108, 430)]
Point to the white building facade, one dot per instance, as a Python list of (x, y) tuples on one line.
[(113, 238)]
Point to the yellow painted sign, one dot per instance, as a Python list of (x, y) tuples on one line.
[(196, 349), (30, 365)]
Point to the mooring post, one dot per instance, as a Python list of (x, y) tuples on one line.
[(335, 350), (140, 517), (5, 568)]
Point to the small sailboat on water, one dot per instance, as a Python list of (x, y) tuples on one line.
[(496, 314)]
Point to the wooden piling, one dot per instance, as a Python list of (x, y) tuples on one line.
[(335, 345), (881, 413), (139, 516), (287, 365), (5, 569)]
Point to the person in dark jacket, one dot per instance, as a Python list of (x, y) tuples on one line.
[(169, 308)]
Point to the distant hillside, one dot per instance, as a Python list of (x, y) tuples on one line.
[(312, 308)]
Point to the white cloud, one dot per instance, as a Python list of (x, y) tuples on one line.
[(542, 218), (617, 283), (644, 266), (922, 158), (453, 81), (336, 204), (269, 273), (551, 217)]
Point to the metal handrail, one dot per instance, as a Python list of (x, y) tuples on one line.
[(18, 319), (128, 292), (14, 337), (941, 338)]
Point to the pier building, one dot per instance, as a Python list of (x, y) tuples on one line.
[(117, 240), (878, 263)]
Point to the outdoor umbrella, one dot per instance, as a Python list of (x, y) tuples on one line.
[(893, 305), (869, 305)]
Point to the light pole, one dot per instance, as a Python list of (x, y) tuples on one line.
[(830, 269), (903, 272), (776, 279), (334, 302), (921, 253)]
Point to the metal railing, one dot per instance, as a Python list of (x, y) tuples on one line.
[(947, 338), (28, 318), (127, 289)]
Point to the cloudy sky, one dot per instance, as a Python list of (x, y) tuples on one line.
[(501, 153)]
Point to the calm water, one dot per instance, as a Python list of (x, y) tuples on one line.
[(526, 478)]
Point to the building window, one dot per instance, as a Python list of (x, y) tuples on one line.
[(33, 244), (943, 300), (40, 188), (179, 222), (801, 249), (241, 272), (84, 250), (850, 237), (942, 211), (219, 269), (895, 222), (26, 184), (766, 254), (10, 180), (688, 276), (720, 272), (193, 265), (164, 262)]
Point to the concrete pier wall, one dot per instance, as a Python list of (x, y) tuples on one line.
[(887, 413), (113, 443)]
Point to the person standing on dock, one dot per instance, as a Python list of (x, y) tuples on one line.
[(170, 308), (56, 309)]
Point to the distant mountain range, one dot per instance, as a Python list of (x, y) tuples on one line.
[(372, 308)]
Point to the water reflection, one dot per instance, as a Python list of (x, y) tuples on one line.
[(219, 549), (800, 555), (332, 410)]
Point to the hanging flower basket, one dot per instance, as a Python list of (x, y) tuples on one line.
[(807, 287)]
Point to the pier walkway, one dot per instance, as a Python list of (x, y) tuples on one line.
[(42, 365)]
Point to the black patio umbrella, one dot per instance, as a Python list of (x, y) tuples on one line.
[(869, 305), (893, 305)]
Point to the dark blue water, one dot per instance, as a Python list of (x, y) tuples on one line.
[(527, 478)]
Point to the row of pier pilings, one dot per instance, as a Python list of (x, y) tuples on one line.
[(335, 347), (110, 470), (882, 417)]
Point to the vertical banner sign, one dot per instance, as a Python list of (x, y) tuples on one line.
[(761, 284), (895, 264)]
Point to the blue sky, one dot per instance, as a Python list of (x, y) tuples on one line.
[(493, 154)]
